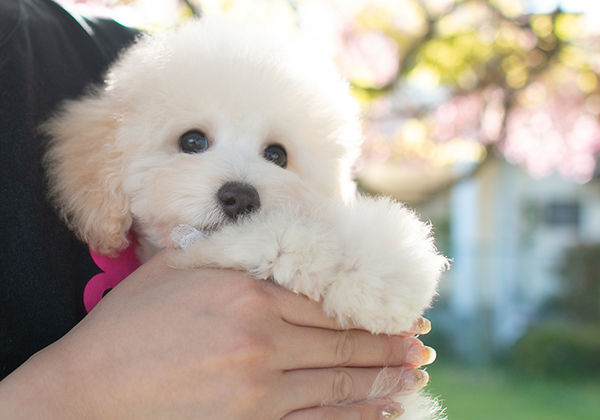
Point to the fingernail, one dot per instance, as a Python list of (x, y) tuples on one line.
[(392, 411), (421, 326), (419, 355), (414, 379)]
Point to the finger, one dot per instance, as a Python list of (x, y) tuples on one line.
[(317, 387), (362, 411), (420, 327), (353, 348), (296, 309), (299, 310)]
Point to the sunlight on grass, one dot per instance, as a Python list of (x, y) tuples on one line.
[(500, 394)]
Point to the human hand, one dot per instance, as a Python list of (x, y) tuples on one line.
[(209, 344)]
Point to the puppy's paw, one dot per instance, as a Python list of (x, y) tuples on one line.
[(371, 303), (292, 273), (246, 247), (307, 248), (389, 269)]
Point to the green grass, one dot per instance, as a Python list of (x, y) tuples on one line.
[(502, 394)]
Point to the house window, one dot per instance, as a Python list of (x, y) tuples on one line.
[(562, 214)]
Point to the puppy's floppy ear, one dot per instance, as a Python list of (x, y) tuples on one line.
[(84, 169)]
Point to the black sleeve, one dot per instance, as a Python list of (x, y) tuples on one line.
[(46, 56)]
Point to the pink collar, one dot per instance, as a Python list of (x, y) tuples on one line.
[(115, 270)]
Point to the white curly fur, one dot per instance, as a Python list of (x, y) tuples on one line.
[(114, 165)]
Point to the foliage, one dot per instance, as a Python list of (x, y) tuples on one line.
[(561, 350), (526, 84)]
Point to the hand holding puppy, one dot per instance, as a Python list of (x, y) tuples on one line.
[(208, 344)]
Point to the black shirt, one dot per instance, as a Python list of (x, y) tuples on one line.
[(46, 56)]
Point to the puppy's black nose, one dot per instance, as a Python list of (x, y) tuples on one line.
[(237, 198)]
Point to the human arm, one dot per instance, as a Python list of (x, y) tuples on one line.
[(206, 344)]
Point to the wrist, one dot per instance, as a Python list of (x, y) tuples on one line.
[(41, 389)]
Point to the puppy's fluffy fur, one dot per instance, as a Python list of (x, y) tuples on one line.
[(115, 166)]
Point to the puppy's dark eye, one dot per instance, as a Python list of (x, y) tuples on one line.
[(276, 154), (193, 142)]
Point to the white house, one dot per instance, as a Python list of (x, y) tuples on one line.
[(506, 233)]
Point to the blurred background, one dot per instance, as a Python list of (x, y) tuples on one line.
[(484, 117)]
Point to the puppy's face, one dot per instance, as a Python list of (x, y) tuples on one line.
[(208, 161), (198, 127)]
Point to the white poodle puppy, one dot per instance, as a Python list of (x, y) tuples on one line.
[(233, 146)]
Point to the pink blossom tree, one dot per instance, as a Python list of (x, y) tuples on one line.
[(446, 81)]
